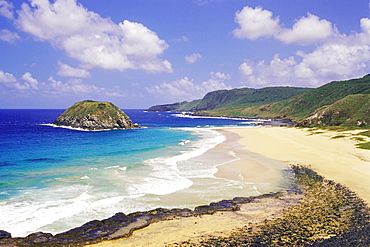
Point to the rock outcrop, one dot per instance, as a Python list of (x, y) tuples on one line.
[(121, 225), (93, 115)]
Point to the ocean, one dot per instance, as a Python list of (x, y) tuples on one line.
[(53, 179)]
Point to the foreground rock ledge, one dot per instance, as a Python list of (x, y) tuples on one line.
[(93, 115), (121, 225)]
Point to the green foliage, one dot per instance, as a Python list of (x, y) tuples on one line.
[(365, 145), (231, 102), (338, 136), (338, 103), (176, 107), (353, 110), (302, 106), (365, 133), (246, 97), (360, 139), (89, 107)]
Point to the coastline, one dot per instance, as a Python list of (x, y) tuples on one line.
[(335, 159), (263, 157)]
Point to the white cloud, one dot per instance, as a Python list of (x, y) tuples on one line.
[(6, 9), (182, 39), (219, 76), (74, 86), (54, 87), (245, 69), (257, 23), (336, 56), (8, 36), (95, 41), (6, 77), (365, 25), (338, 60), (66, 70), (27, 85), (343, 58), (307, 30), (193, 58), (186, 89), (30, 83)]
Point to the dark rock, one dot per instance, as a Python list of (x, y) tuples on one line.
[(121, 225), (39, 237), (126, 231), (4, 234)]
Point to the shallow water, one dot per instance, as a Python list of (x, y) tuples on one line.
[(54, 179)]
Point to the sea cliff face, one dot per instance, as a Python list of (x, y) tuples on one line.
[(93, 115)]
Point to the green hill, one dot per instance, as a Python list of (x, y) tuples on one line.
[(349, 111), (176, 107), (233, 99), (94, 115), (344, 103), (302, 106)]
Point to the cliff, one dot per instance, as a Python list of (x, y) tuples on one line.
[(93, 115)]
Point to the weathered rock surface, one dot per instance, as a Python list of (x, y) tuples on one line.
[(4, 234), (93, 115)]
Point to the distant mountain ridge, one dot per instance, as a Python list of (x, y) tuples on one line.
[(342, 103), (233, 99)]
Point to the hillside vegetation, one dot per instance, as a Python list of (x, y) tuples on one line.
[(302, 106), (103, 109), (233, 99), (338, 103), (94, 115), (351, 110)]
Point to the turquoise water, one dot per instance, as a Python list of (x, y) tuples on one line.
[(53, 179)]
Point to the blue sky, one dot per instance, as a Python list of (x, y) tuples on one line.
[(138, 53)]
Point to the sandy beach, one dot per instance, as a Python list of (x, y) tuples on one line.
[(336, 159), (263, 153)]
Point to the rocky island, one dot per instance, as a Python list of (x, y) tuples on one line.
[(94, 115)]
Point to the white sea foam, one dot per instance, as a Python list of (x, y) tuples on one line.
[(188, 115), (26, 216), (189, 172), (110, 167), (73, 128)]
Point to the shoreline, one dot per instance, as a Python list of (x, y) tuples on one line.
[(336, 159), (251, 167), (252, 146), (286, 145)]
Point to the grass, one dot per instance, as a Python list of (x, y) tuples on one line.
[(365, 133), (338, 136), (365, 145), (360, 139)]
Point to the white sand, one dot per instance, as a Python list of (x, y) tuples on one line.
[(336, 159)]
